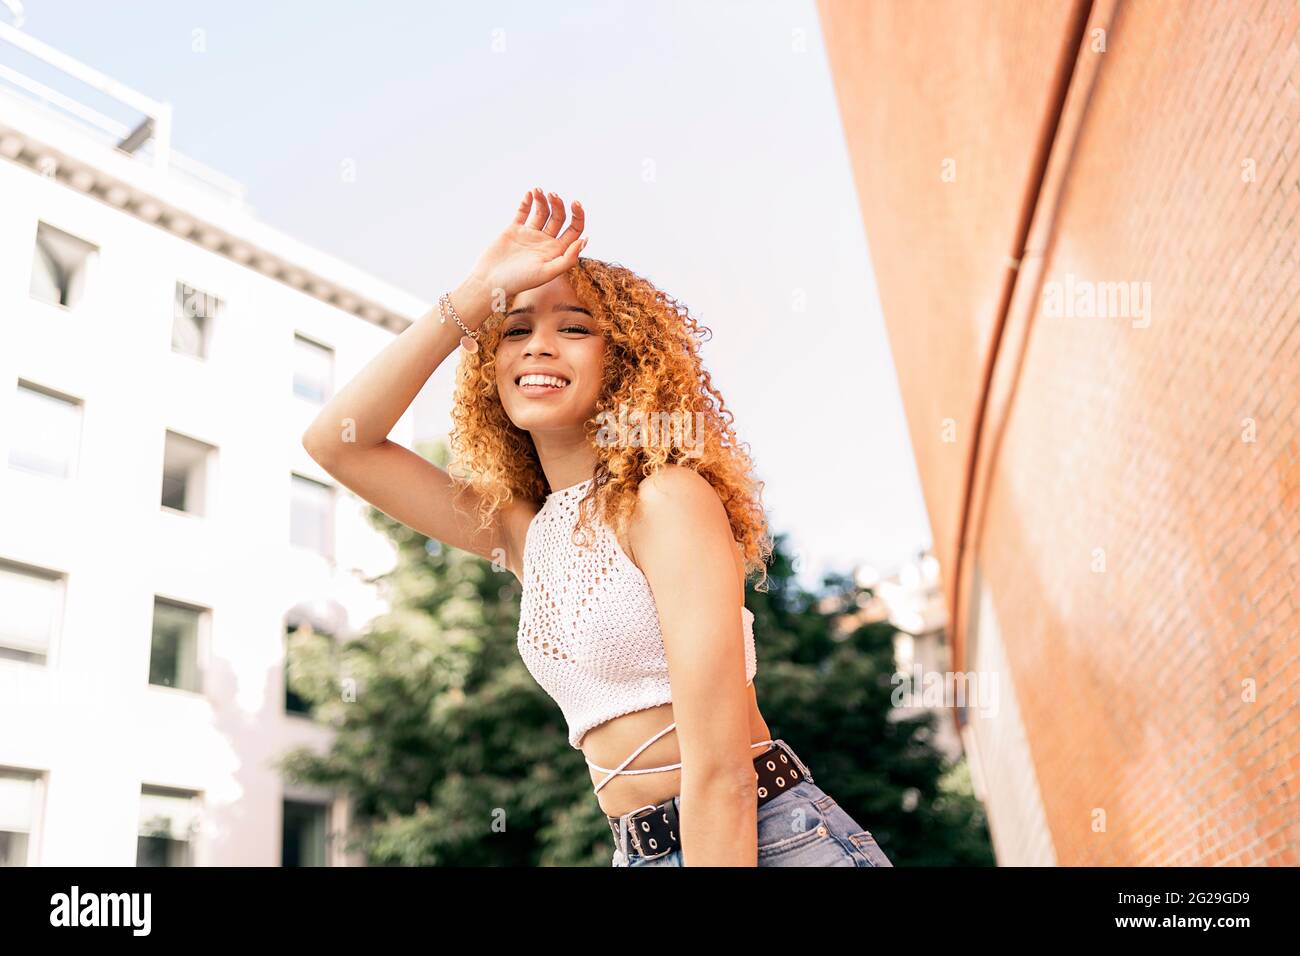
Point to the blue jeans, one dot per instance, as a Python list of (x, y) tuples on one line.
[(803, 826)]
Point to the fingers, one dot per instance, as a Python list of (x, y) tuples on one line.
[(541, 210), (556, 220), (576, 223), (548, 216), (570, 257), (562, 264)]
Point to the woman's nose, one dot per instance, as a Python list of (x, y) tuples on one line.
[(538, 345)]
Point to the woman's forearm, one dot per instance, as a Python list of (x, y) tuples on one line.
[(720, 826), (363, 413)]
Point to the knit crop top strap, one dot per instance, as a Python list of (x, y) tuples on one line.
[(632, 756), (611, 774)]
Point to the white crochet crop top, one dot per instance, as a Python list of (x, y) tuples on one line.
[(588, 625)]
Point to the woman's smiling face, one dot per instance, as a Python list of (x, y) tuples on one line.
[(550, 360)]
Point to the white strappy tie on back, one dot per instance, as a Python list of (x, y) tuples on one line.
[(673, 766), (589, 627)]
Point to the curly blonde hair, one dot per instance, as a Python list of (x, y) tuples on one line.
[(652, 367)]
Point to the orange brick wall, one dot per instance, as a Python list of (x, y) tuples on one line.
[(920, 84), (1141, 555)]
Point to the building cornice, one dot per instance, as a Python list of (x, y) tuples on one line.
[(43, 143)]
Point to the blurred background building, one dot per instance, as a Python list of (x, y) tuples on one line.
[(1112, 485), (161, 528), (911, 600)]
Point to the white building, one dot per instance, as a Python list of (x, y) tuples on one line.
[(911, 600), (161, 354)]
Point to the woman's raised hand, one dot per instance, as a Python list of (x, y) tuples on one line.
[(532, 251)]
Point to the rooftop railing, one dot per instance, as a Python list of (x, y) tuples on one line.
[(147, 139)]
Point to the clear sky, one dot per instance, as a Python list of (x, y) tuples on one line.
[(703, 139)]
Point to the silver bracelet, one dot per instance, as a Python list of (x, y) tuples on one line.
[(468, 341)]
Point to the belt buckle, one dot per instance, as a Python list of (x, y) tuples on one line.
[(636, 837)]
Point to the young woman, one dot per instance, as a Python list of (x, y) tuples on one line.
[(595, 461)]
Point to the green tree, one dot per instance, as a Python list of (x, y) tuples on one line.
[(453, 756), (827, 689)]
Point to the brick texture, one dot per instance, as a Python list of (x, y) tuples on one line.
[(1140, 520)]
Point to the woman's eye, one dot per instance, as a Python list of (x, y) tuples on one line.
[(510, 333)]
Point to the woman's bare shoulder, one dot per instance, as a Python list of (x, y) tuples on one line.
[(673, 500)]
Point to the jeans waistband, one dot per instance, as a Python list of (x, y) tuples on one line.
[(623, 820)]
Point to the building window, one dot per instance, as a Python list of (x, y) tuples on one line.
[(313, 370), (311, 518), (305, 826), (19, 794), (46, 430), (168, 822), (60, 267), (32, 603), (193, 314), (175, 651), (185, 474), (293, 704)]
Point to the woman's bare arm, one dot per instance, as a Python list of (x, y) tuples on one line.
[(682, 542), (349, 437)]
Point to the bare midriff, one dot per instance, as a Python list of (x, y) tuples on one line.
[(609, 744)]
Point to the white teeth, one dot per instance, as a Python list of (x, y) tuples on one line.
[(551, 380)]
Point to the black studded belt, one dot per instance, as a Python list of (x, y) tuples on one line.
[(653, 830)]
